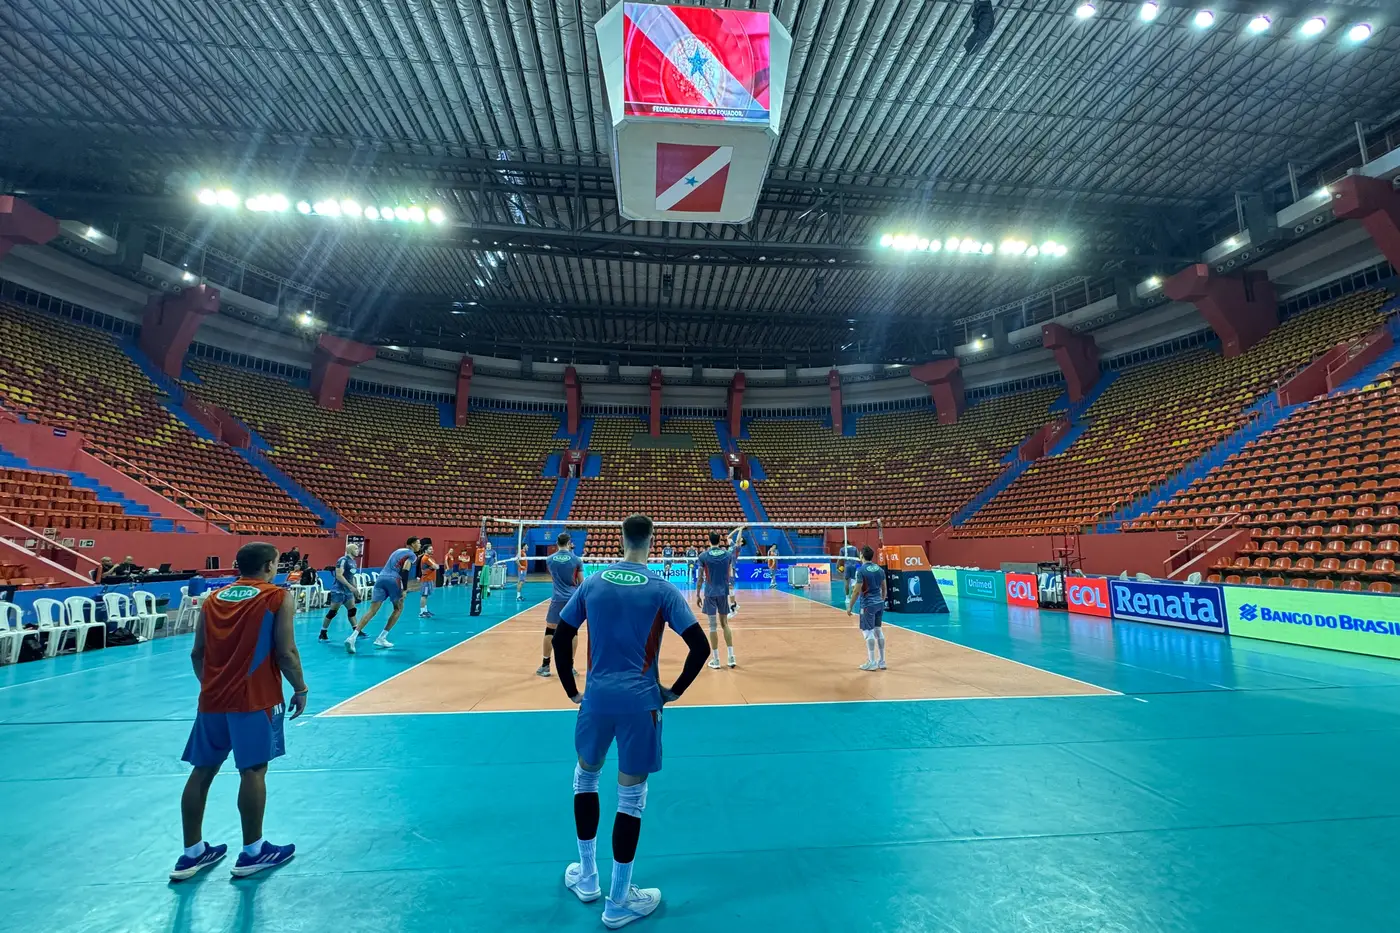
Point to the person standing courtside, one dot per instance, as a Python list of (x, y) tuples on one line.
[(566, 573), (712, 595), (342, 591), (627, 609), (388, 588), (870, 590), (244, 645)]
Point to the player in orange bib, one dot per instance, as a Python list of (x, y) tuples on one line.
[(243, 646), (522, 567), (427, 580), (772, 566)]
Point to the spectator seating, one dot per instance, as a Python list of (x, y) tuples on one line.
[(1321, 492), (41, 501), (903, 467), (23, 575), (668, 485), (74, 376), (381, 460), (1155, 419)]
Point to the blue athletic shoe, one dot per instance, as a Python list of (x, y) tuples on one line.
[(270, 856), (186, 867)]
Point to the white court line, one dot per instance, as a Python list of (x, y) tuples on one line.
[(425, 661), (674, 707)]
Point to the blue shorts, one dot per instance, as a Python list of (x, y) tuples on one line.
[(851, 573), (551, 615), (387, 590), (715, 605), (340, 598), (638, 738), (254, 738), (871, 617), (426, 587)]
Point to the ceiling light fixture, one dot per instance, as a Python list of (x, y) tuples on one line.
[(1204, 19), (1260, 23), (1148, 11), (1085, 11), (1359, 33), (1313, 27)]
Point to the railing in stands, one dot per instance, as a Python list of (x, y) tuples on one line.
[(46, 541), (166, 484), (1170, 565)]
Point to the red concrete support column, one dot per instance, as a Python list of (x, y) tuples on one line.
[(464, 392), (1240, 308), (573, 396), (736, 405), (1077, 355), (945, 386), (170, 322), (1374, 202), (330, 368), (833, 382), (20, 222), (655, 423)]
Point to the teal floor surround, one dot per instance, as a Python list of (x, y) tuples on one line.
[(1235, 786)]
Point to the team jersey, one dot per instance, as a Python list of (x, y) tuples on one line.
[(668, 553), (427, 567), (395, 564), (522, 564), (564, 569), (691, 553), (346, 566), (717, 561), (628, 609), (872, 578), (240, 670)]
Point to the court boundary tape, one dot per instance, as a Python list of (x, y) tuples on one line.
[(330, 709), (1084, 683)]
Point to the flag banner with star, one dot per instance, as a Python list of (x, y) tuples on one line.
[(691, 178), (695, 63)]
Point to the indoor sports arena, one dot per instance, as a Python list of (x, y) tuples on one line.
[(807, 464)]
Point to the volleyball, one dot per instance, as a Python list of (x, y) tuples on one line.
[(743, 484)]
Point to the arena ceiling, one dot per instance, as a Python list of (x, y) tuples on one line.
[(1125, 139)]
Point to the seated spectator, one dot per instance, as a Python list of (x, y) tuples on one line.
[(103, 570), (126, 568)]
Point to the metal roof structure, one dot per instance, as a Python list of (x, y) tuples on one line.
[(1125, 139)]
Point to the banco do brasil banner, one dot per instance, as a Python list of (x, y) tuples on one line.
[(982, 584), (1359, 622)]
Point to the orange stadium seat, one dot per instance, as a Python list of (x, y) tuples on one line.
[(69, 375)]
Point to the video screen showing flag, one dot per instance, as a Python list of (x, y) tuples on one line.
[(695, 63)]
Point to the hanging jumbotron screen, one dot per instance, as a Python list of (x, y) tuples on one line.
[(694, 63)]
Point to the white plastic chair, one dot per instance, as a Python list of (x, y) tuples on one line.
[(121, 613), (11, 632), (53, 622), (1144, 578), (82, 617), (146, 611), (318, 598), (188, 611), (1194, 578), (363, 586)]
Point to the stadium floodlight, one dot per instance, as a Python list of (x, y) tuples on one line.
[(1313, 27), (386, 213), (437, 215), (887, 240), (1148, 11), (417, 214), (226, 198), (278, 203), (934, 246), (988, 249), (1359, 33), (971, 246), (303, 207), (350, 209), (208, 197), (923, 244), (1014, 247), (1154, 283), (1260, 23), (371, 213), (1085, 11), (401, 213), (1204, 19), (953, 244), (1032, 252)]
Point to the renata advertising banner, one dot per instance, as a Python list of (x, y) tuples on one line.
[(695, 63), (1022, 590), (1179, 604), (1088, 596), (1363, 623)]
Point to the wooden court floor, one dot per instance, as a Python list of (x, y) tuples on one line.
[(790, 650)]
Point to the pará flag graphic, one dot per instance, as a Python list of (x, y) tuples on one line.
[(691, 178)]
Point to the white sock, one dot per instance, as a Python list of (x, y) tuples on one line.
[(253, 848), (731, 652), (196, 850), (870, 648), (621, 882), (880, 640), (588, 856), (715, 654)]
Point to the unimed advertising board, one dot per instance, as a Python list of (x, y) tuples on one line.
[(982, 584), (1357, 622)]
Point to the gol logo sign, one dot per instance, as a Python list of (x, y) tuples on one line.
[(1021, 590), (1088, 596)]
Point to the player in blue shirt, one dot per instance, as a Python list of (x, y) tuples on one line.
[(628, 609), (712, 595), (870, 590), (692, 570), (667, 553), (850, 561), (566, 573), (342, 591), (388, 588)]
